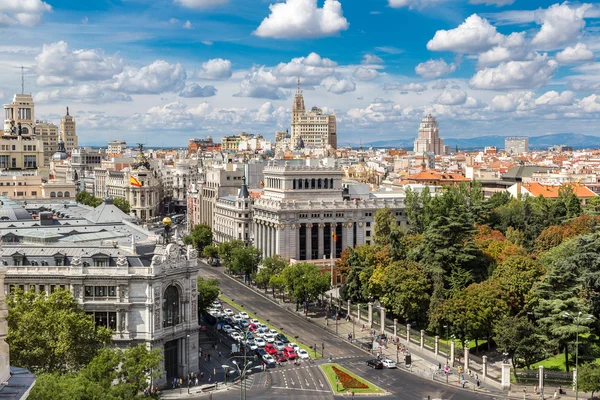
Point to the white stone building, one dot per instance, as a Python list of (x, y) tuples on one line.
[(314, 129), (428, 139), (233, 217)]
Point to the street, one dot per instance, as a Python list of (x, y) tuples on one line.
[(304, 382)]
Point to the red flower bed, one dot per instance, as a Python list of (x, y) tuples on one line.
[(347, 381)]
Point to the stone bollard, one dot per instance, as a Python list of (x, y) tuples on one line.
[(395, 328), (422, 339), (484, 368), (358, 312), (407, 334), (466, 364), (452, 345), (505, 376), (370, 316), (382, 315), (436, 349), (541, 380)]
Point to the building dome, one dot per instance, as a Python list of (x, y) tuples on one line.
[(140, 159), (61, 154)]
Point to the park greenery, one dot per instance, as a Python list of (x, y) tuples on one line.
[(72, 357), (200, 237), (87, 199), (501, 270)]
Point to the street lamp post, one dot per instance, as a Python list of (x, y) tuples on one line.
[(577, 319), (447, 342), (187, 361)]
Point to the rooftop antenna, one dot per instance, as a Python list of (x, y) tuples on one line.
[(22, 80)]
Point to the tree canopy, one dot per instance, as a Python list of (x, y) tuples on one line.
[(200, 237)]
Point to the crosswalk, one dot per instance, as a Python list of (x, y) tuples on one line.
[(249, 381)]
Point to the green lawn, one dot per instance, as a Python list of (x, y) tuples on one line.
[(457, 342), (557, 363), (233, 304), (331, 377)]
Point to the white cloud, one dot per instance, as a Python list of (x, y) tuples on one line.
[(590, 104), (200, 3), (513, 48), (216, 68), (173, 21), (473, 103), (435, 68), (498, 3), (303, 18), (58, 65), (250, 88), (342, 86), (23, 12), (389, 50), (516, 74), (365, 74), (561, 24), (187, 25), (195, 90), (474, 35), (158, 77), (414, 3), (83, 94), (578, 53), (514, 101), (452, 97), (370, 59), (405, 87), (553, 98), (207, 42)]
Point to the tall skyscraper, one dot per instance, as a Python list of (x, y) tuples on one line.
[(428, 139), (68, 132), (316, 129)]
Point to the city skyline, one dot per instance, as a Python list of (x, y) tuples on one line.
[(171, 70)]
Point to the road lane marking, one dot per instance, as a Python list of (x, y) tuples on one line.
[(303, 390)]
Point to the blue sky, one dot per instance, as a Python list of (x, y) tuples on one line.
[(168, 70)]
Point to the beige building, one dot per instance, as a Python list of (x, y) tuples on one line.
[(48, 133), (68, 132), (20, 111), (313, 129), (428, 140), (116, 147)]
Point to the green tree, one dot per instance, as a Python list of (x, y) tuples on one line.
[(385, 222), (572, 204), (226, 250), (208, 291), (138, 365), (122, 204), (588, 377), (245, 260), (200, 237), (270, 266), (362, 260), (82, 197), (305, 282), (520, 338), (51, 333), (210, 252), (593, 206), (415, 204), (516, 276)]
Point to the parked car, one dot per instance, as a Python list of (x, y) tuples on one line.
[(268, 359), (281, 358), (227, 329), (260, 342), (270, 348), (389, 363), (244, 315), (251, 345), (375, 363), (274, 332), (294, 346), (243, 322), (252, 327), (260, 352), (260, 332), (289, 352), (237, 318), (254, 321), (269, 337), (279, 345), (228, 312), (303, 354), (236, 336), (281, 337)]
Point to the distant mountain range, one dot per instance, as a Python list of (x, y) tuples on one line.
[(574, 140)]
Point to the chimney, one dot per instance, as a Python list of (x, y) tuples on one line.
[(518, 189)]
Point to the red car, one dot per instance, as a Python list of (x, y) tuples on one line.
[(281, 358), (289, 353), (270, 349), (252, 327)]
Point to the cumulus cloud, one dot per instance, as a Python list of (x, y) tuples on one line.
[(342, 86), (405, 87), (195, 90), (22, 12), (365, 74), (452, 97), (428, 3), (561, 24), (216, 68), (158, 77), (435, 68), (200, 3), (187, 25), (516, 74), (370, 59), (590, 104), (260, 91), (303, 18), (553, 98), (440, 84), (82, 94), (513, 48), (474, 35), (572, 55), (514, 101), (58, 65)]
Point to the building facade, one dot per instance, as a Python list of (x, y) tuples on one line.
[(428, 139), (314, 129), (47, 133), (233, 218), (68, 132), (116, 147), (516, 145)]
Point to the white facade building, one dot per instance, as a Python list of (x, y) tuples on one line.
[(428, 139), (314, 129)]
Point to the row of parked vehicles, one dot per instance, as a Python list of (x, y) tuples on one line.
[(270, 345)]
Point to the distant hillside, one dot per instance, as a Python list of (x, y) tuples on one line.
[(535, 142)]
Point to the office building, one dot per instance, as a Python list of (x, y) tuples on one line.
[(516, 145), (428, 139), (68, 132), (313, 129)]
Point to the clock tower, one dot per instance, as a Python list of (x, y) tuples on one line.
[(68, 132)]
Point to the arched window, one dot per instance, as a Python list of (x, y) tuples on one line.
[(326, 183), (331, 183), (294, 183), (60, 194), (67, 194), (312, 183), (171, 307), (299, 183), (319, 183), (52, 194), (306, 184)]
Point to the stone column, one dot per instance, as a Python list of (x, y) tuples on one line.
[(436, 349), (349, 309), (279, 234), (333, 243), (268, 228), (395, 328), (505, 376), (407, 334), (541, 379), (422, 339), (309, 241), (484, 368), (321, 245), (350, 234), (382, 314), (370, 315), (452, 350), (358, 313), (466, 359)]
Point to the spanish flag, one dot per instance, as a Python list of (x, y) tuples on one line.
[(334, 236), (134, 182), (262, 183)]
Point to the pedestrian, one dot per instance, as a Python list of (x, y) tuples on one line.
[(202, 375), (209, 378), (220, 354), (555, 395), (478, 382), (180, 382), (535, 390), (208, 357), (463, 381)]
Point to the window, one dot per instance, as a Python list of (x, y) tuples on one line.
[(88, 291), (100, 291), (52, 194), (368, 233), (368, 224), (105, 319), (29, 161), (3, 161), (171, 307), (42, 288)]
